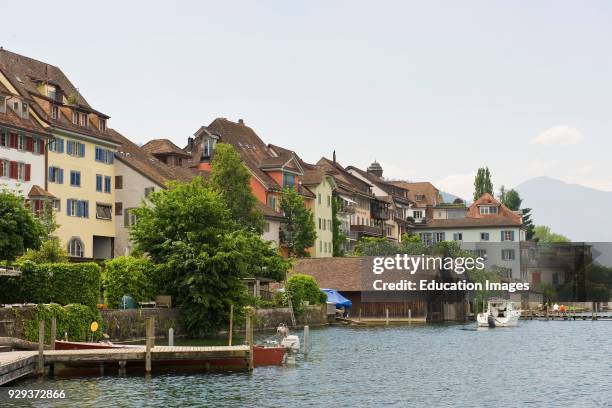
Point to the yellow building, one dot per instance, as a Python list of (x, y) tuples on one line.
[(80, 156), (322, 185)]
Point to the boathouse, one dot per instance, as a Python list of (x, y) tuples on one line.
[(354, 278)]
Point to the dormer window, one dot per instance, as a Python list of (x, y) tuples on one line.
[(488, 209), (419, 197), (51, 91), (2, 104), (55, 112), (209, 147), (24, 110), (83, 119), (75, 117), (102, 124)]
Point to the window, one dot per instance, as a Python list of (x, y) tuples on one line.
[(75, 117), (99, 182), (484, 210), (480, 253), (288, 180), (272, 201), (4, 138), (209, 146), (118, 208), (426, 238), (76, 149), (507, 235), (51, 91), (507, 254), (56, 175), (55, 112), (77, 208), (320, 246), (102, 124), (457, 236), (24, 110), (323, 224), (329, 201), (83, 119), (104, 211), (104, 155), (129, 218), (439, 236), (107, 184), (118, 182), (56, 145), (148, 191), (329, 225), (4, 168), (20, 142), (2, 104), (320, 227), (57, 204), (419, 197), (417, 214), (36, 143), (266, 227), (319, 198), (75, 248), (21, 172), (484, 236), (75, 178)]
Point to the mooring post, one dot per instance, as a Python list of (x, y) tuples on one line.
[(249, 335), (306, 340), (171, 337), (53, 331), (359, 314), (409, 315), (231, 324), (387, 316), (149, 343), (41, 348)]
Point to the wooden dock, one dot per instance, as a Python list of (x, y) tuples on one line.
[(566, 316), (16, 364)]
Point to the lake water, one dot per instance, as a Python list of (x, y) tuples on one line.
[(538, 363)]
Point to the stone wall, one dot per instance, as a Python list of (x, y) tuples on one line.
[(315, 315), (129, 324)]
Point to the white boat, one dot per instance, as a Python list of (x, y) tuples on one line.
[(499, 313)]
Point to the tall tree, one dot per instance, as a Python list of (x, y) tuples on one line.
[(298, 230), (201, 253), (232, 179), (511, 199), (51, 249), (20, 230), (339, 237), (528, 223), (482, 183)]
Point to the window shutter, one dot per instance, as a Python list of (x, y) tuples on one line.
[(98, 182), (51, 174), (86, 208), (511, 235), (13, 140), (126, 217), (13, 170), (118, 208), (502, 236), (60, 144), (41, 146), (29, 144), (28, 169), (68, 207), (81, 150)]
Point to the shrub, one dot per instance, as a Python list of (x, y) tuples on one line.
[(73, 320), (127, 275), (61, 283), (304, 288)]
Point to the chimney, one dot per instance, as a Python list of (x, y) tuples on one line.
[(190, 144), (241, 122), (334, 156)]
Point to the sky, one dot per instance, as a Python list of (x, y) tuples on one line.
[(431, 90)]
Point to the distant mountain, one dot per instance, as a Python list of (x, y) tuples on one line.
[(578, 212)]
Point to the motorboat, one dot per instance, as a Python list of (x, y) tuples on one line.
[(499, 313)]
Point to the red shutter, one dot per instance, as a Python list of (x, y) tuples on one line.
[(13, 170), (41, 146), (13, 140), (29, 144), (27, 172)]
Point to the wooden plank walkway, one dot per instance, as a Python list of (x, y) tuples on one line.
[(16, 364)]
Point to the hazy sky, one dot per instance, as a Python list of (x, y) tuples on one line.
[(432, 90)]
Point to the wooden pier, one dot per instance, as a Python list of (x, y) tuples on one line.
[(566, 316)]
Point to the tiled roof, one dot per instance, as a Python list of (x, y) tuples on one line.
[(163, 146), (488, 199), (397, 192), (147, 165), (431, 194), (11, 119), (37, 191), (25, 74), (269, 212), (344, 179)]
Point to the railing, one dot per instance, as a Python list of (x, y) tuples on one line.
[(367, 230)]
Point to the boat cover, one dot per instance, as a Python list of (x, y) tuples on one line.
[(333, 296)]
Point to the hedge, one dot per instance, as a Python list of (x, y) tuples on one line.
[(61, 283), (304, 288), (73, 322), (128, 275)]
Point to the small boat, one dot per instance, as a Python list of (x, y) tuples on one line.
[(499, 313), (78, 345)]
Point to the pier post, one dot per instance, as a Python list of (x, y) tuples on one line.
[(41, 348), (409, 315), (387, 316), (53, 331), (249, 335), (149, 343), (231, 324), (171, 337), (306, 340), (359, 314)]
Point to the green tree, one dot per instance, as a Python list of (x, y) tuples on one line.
[(128, 275), (542, 233), (231, 178), (482, 183), (20, 230), (511, 199), (189, 232), (298, 230), (528, 223), (51, 249), (339, 237), (304, 288)]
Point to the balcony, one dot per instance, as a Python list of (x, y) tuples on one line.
[(361, 230), (380, 210)]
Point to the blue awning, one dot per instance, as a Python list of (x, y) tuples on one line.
[(333, 296)]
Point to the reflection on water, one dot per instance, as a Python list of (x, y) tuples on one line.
[(537, 363)]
